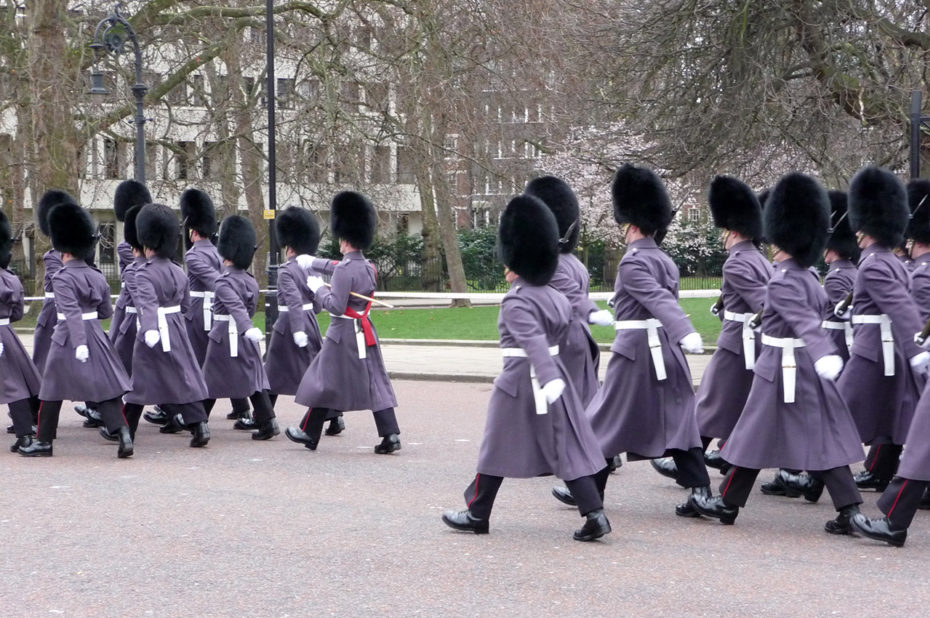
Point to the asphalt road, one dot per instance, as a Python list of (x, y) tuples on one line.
[(271, 529)]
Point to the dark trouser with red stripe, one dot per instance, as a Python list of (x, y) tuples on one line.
[(111, 412), (883, 457), (21, 415), (900, 499), (480, 494), (737, 485), (191, 413), (313, 420), (261, 401), (240, 406)]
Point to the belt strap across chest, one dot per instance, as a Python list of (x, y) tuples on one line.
[(651, 326), (539, 398), (749, 336), (884, 325), (789, 364)]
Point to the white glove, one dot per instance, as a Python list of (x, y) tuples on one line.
[(314, 283), (151, 338), (553, 389), (840, 313), (692, 344), (601, 318), (300, 339), (305, 261), (254, 334), (715, 310), (82, 353), (828, 367), (920, 363), (924, 343), (1, 348)]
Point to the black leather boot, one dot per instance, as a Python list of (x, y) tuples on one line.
[(687, 509), (879, 529), (157, 417), (106, 435), (125, 442), (36, 449), (201, 433), (21, 443), (388, 445), (266, 430), (563, 495), (712, 459), (777, 487), (91, 417), (464, 521), (174, 424), (925, 501), (715, 507), (10, 429), (841, 524), (298, 435), (665, 466), (615, 463), (867, 480), (808, 486), (595, 526), (246, 423), (336, 426)]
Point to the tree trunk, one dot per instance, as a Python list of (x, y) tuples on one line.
[(448, 231)]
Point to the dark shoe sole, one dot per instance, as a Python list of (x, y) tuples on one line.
[(878, 537), (831, 527), (307, 443), (465, 528), (592, 535)]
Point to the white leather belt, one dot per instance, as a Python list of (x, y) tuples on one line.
[(49, 295), (651, 326), (884, 324), (4, 321), (749, 336), (844, 326), (359, 334), (233, 334), (789, 365), (305, 307), (207, 307), (163, 325), (90, 315), (539, 398), (130, 309)]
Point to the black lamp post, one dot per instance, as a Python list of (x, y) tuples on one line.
[(110, 37), (271, 298)]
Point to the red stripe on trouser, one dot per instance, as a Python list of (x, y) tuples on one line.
[(725, 489), (477, 479), (306, 422), (878, 451), (123, 412), (39, 416), (898, 497)]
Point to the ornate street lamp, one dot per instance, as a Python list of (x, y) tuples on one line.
[(110, 37)]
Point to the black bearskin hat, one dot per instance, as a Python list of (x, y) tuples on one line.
[(157, 228), (842, 239), (640, 198), (353, 219), (237, 241), (72, 230), (130, 232), (918, 199), (6, 241), (198, 212), (528, 239), (878, 205), (129, 193), (50, 199), (559, 197), (797, 218), (735, 207), (298, 229)]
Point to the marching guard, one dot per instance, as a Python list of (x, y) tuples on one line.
[(841, 256), (165, 369), (794, 416), (233, 366), (918, 232), (349, 372), (646, 405), (580, 354), (19, 379), (535, 423), (81, 364), (885, 374)]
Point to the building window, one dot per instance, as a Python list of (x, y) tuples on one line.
[(198, 92), (349, 165), (151, 152), (376, 96), (211, 161), (113, 158), (184, 157), (285, 93), (381, 165), (317, 164), (694, 215), (349, 96), (405, 171), (107, 242)]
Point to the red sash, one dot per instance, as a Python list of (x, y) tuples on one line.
[(366, 323)]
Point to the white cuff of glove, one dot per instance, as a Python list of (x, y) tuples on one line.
[(300, 339), (314, 283), (692, 344), (553, 389), (601, 318), (82, 353), (1, 349), (305, 261), (828, 367), (151, 338), (843, 314), (254, 334), (919, 362)]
